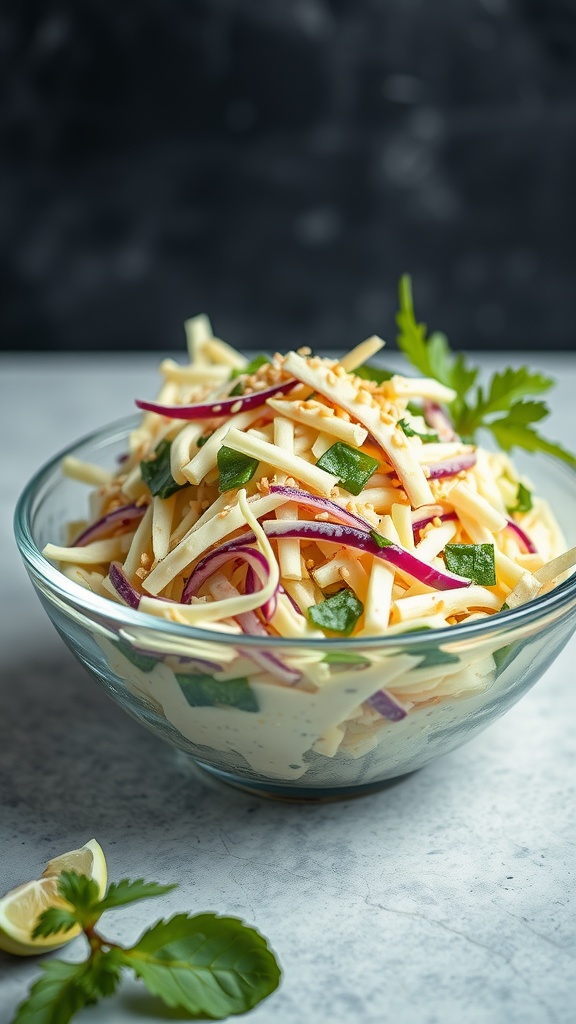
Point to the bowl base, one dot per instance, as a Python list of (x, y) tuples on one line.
[(293, 794)]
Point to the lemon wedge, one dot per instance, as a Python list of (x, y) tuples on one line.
[(21, 907)]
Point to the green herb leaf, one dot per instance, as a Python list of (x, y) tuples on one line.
[(66, 988), (205, 691), (157, 474), (202, 440), (145, 662), (235, 469), (252, 367), (473, 561), (523, 500), (510, 433), (342, 658), (506, 393), (204, 964), (410, 432), (432, 655), (79, 890), (237, 390), (431, 356), (54, 920), (374, 373), (126, 891), (381, 541), (338, 613), (352, 467)]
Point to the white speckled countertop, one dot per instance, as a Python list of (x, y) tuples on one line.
[(447, 897)]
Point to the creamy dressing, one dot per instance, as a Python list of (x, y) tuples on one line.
[(291, 722)]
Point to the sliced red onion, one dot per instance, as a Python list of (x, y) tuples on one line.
[(324, 504), (523, 537), (444, 516), (227, 407), (387, 706), (122, 585), (251, 625), (346, 536), (439, 420), (125, 516), (450, 467), (268, 609), (213, 561)]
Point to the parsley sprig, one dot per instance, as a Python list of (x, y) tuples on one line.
[(503, 406), (201, 965)]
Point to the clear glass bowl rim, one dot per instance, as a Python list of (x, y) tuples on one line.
[(85, 601)]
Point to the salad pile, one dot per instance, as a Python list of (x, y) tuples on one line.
[(302, 496)]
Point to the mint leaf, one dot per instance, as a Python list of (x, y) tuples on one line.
[(205, 964), (62, 990), (474, 561), (157, 474), (338, 613), (205, 691), (352, 467), (54, 920), (523, 500), (126, 891), (235, 468), (410, 432)]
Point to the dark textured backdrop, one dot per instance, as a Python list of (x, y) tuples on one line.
[(278, 163)]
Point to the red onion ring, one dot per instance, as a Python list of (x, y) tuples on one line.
[(124, 516), (346, 536), (450, 467), (421, 523), (523, 537), (324, 504), (227, 407)]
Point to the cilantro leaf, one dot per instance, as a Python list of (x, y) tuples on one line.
[(410, 432), (157, 474), (506, 393), (65, 988), (126, 891), (431, 356), (203, 691), (54, 920), (510, 432), (338, 613), (205, 964), (79, 890)]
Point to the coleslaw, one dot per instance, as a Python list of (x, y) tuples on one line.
[(292, 497), (304, 497)]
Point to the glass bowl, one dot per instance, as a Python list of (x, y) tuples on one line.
[(320, 738)]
